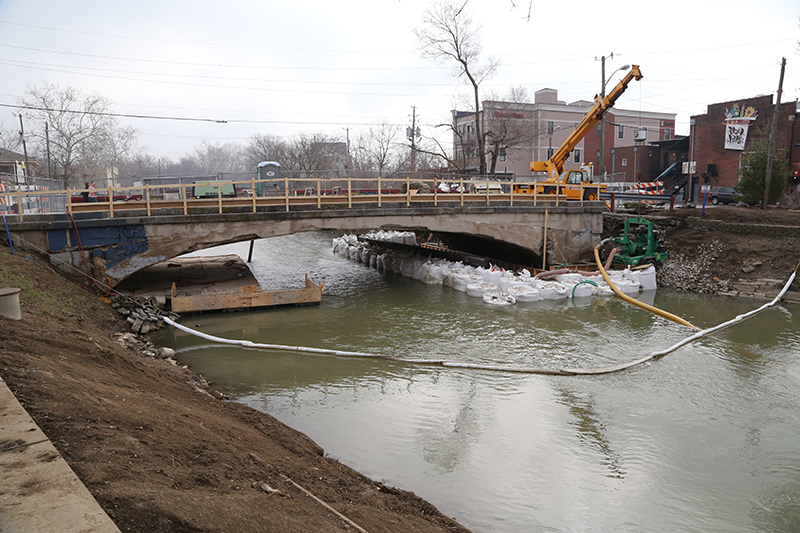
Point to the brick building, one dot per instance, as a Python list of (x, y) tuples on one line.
[(518, 133), (720, 137)]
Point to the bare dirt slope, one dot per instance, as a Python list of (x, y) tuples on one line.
[(702, 259), (158, 449)]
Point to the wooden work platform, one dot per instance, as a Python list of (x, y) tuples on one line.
[(212, 283)]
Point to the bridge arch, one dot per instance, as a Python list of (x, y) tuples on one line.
[(121, 246)]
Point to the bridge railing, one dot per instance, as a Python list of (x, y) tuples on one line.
[(286, 192)]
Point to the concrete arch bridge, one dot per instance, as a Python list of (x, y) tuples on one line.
[(118, 243)]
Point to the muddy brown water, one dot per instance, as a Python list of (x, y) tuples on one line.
[(704, 439)]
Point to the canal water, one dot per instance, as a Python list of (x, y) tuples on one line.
[(704, 439)]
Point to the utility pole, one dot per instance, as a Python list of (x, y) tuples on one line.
[(47, 143), (412, 134), (771, 151), (601, 157), (25, 151)]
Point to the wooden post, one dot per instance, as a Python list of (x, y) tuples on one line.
[(544, 242), (184, 189), (219, 196), (319, 195), (254, 192), (286, 191), (111, 202), (147, 197), (349, 192), (379, 191), (69, 201)]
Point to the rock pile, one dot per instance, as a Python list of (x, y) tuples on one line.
[(686, 273), (144, 347), (143, 314)]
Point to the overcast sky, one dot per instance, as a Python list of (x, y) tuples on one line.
[(283, 68)]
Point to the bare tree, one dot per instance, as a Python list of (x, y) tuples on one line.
[(80, 129), (507, 124), (449, 34), (265, 147), (379, 149), (9, 138), (215, 158), (312, 153)]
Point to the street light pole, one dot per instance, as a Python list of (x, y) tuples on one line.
[(601, 168), (602, 126)]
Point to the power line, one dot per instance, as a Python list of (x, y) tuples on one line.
[(104, 114), (212, 86), (34, 64), (176, 41), (225, 65)]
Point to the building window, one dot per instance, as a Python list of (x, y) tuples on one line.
[(624, 161), (667, 134), (550, 127), (576, 155), (502, 155), (549, 153), (621, 132)]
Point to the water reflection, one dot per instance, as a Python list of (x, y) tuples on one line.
[(591, 431), (446, 440), (704, 439)]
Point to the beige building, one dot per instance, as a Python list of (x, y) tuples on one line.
[(518, 133)]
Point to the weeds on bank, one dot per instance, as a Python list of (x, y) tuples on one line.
[(12, 275)]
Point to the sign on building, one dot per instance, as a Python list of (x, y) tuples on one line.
[(737, 121)]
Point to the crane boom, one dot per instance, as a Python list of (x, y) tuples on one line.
[(555, 165)]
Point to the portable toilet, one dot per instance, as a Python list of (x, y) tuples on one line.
[(268, 174)]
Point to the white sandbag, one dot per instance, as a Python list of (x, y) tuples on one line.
[(498, 298), (494, 275), (477, 290), (553, 290), (647, 278), (432, 274), (582, 290), (524, 293)]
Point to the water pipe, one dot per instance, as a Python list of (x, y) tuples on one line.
[(654, 310)]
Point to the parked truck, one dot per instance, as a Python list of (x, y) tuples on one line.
[(576, 184)]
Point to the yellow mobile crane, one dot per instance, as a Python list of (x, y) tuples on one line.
[(572, 182)]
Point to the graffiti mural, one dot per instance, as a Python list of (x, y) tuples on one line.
[(737, 121)]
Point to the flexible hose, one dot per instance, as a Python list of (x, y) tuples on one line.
[(493, 368), (634, 301), (687, 340), (587, 281)]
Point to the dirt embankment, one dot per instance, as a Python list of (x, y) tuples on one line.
[(158, 449), (707, 256)]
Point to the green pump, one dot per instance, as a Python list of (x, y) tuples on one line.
[(639, 244)]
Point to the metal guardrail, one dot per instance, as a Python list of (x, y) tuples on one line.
[(285, 192), (635, 196)]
